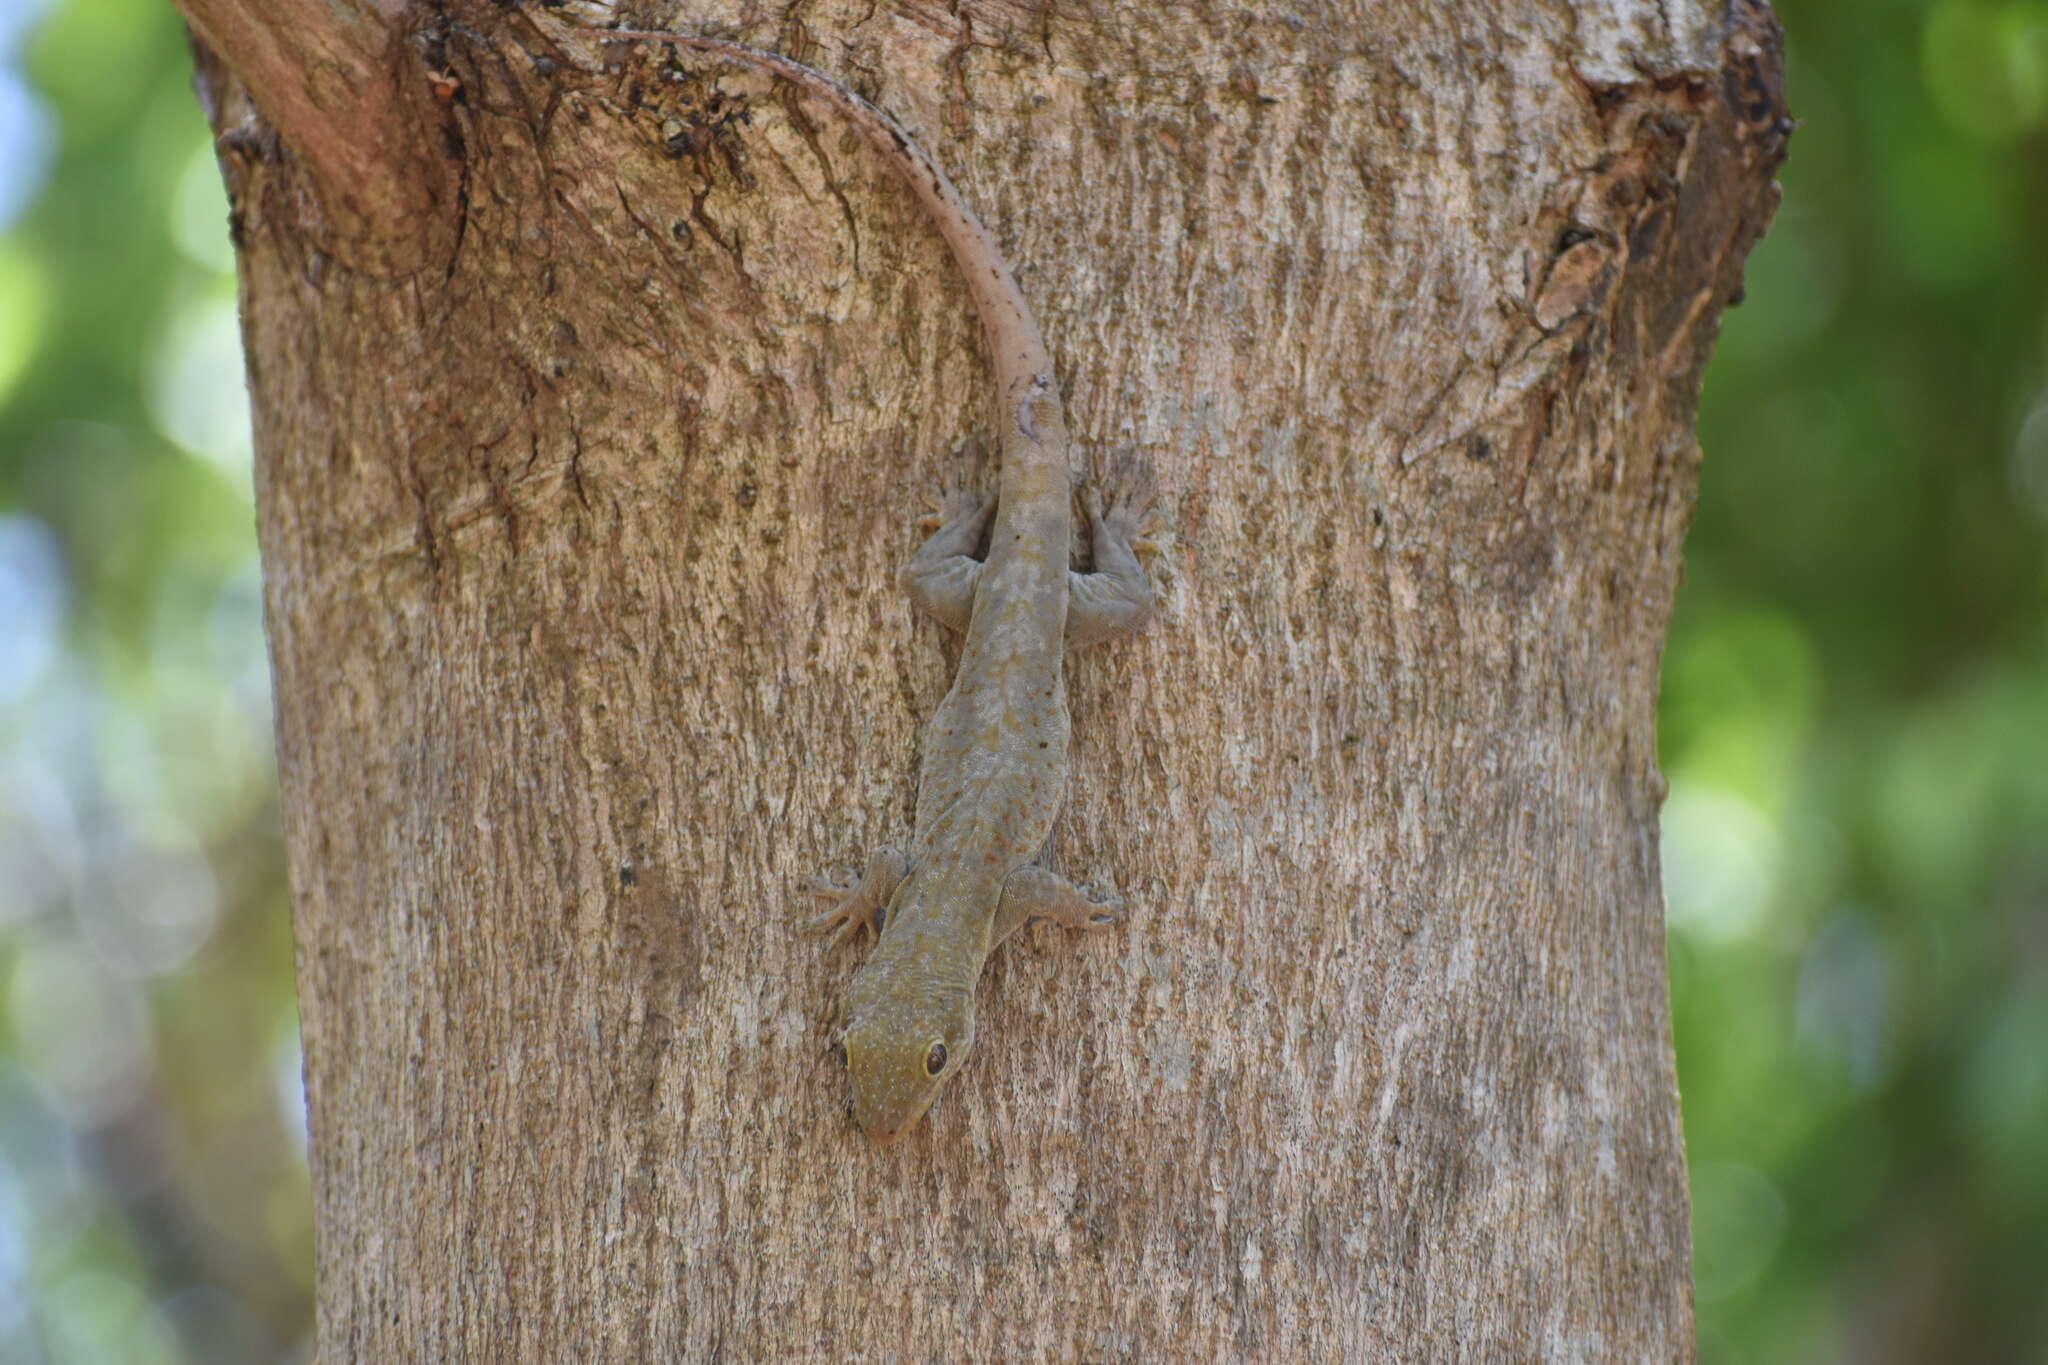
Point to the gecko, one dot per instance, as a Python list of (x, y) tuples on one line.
[(993, 771)]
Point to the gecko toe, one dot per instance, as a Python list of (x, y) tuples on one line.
[(821, 923)]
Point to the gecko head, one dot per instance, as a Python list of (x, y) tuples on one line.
[(899, 1058)]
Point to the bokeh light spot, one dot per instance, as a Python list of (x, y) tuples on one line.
[(1987, 65), (32, 602), (1720, 862), (1738, 1219), (80, 1030), (196, 395), (199, 212), (24, 306)]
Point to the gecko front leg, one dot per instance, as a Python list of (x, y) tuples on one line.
[(1116, 598), (1036, 893), (863, 903), (941, 576)]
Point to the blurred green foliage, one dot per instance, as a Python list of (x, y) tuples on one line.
[(1855, 725), (154, 1206), (1855, 718)]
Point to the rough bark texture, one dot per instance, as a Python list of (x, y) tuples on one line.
[(580, 545)]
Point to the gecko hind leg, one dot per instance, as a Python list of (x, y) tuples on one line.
[(863, 903), (940, 577), (1116, 598), (1034, 893)]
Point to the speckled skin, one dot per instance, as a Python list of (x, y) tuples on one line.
[(994, 766)]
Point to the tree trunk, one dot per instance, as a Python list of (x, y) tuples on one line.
[(595, 401)]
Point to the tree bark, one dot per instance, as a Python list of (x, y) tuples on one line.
[(580, 542)]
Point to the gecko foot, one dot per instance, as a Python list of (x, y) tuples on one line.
[(956, 505), (849, 914), (1037, 895), (1121, 501), (1095, 908), (861, 904)]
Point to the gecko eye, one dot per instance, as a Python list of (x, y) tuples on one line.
[(935, 1060), (839, 1055)]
